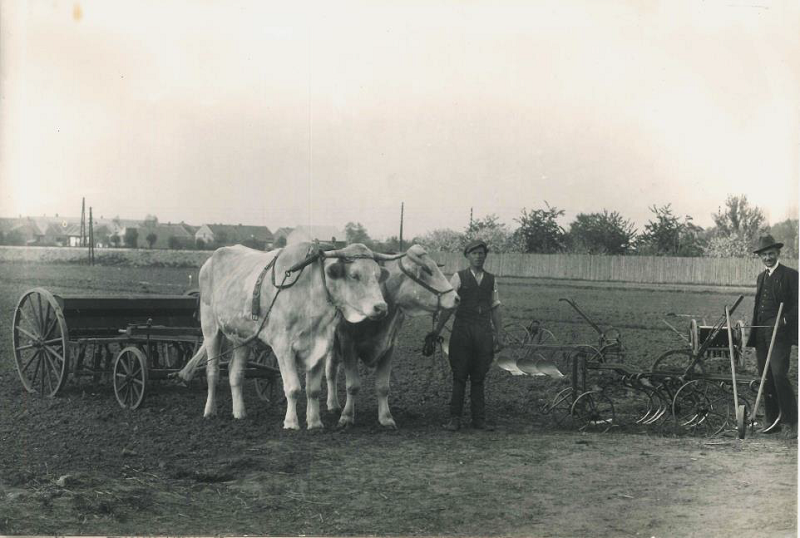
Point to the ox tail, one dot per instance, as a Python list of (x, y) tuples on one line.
[(187, 373)]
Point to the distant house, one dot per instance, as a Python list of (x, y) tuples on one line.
[(64, 234), (323, 234), (259, 237), (6, 235), (31, 231), (281, 236), (169, 235)]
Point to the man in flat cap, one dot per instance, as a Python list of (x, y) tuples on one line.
[(477, 329), (777, 284)]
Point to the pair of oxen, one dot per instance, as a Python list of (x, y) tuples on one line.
[(315, 307)]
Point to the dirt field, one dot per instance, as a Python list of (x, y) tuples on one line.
[(79, 464)]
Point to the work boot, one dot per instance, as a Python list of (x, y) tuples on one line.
[(453, 425)]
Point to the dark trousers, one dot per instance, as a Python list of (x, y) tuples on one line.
[(471, 355), (778, 392)]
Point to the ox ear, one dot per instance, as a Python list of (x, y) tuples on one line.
[(384, 275), (336, 269)]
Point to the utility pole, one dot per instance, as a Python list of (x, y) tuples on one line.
[(402, 204), (91, 238), (83, 222), (470, 217)]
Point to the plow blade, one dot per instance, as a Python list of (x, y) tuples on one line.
[(508, 363), (538, 365)]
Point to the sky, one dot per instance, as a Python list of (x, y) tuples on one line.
[(282, 113)]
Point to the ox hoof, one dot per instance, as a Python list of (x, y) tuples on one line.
[(389, 425), (316, 427), (240, 416), (291, 426), (345, 424)]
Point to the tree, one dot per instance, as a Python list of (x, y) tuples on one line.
[(442, 240), (668, 235), (737, 228), (539, 232), (174, 242), (356, 233), (391, 244), (200, 244), (115, 239), (131, 238), (491, 230), (221, 238), (150, 221), (786, 232), (281, 242), (151, 239), (601, 233)]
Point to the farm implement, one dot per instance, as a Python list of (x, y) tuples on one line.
[(701, 388), (132, 340)]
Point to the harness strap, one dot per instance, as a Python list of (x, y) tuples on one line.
[(257, 289)]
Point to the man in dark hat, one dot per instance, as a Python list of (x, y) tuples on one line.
[(477, 330), (777, 284)]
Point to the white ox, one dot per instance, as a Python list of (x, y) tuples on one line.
[(415, 287), (300, 324)]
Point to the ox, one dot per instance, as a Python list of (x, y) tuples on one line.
[(415, 287), (295, 315)]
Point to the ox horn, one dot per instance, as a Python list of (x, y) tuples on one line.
[(379, 257), (414, 257)]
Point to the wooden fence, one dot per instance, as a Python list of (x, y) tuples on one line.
[(645, 269)]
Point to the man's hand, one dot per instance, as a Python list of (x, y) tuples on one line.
[(431, 339), (499, 341)]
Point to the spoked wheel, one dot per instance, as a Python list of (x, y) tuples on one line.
[(593, 411), (541, 336), (635, 403), (721, 397), (269, 389), (130, 377), (677, 361), (561, 406), (516, 334), (41, 343), (694, 412)]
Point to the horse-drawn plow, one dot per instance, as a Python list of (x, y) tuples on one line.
[(702, 388)]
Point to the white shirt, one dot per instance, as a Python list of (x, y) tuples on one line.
[(771, 270), (455, 281)]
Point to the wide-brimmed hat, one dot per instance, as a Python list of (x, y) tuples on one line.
[(472, 245), (766, 242)]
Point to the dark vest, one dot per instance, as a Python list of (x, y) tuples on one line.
[(767, 305), (476, 300)]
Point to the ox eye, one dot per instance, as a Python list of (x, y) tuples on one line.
[(355, 276)]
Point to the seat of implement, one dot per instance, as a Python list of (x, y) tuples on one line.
[(90, 316)]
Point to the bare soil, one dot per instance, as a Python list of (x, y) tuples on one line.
[(80, 464)]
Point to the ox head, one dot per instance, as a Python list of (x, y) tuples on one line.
[(417, 285), (353, 280)]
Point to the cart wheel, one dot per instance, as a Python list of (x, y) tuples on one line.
[(677, 361), (269, 389), (593, 410), (561, 406), (516, 334), (41, 343), (130, 377), (694, 412), (540, 336)]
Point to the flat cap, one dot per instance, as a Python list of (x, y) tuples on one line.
[(477, 243)]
